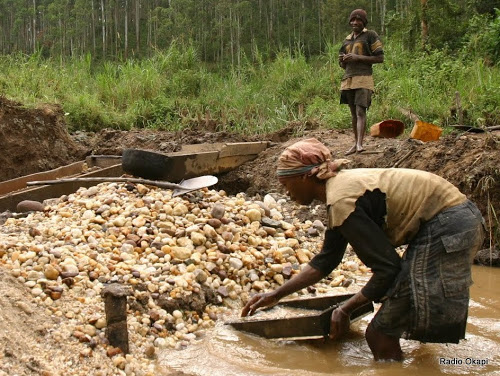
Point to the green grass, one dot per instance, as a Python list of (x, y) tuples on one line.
[(174, 89)]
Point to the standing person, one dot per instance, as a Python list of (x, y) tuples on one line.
[(424, 294), (360, 50)]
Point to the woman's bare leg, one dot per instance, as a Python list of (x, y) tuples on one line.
[(383, 346)]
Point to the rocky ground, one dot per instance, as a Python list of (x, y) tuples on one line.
[(189, 261)]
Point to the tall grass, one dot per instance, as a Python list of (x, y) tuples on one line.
[(174, 89)]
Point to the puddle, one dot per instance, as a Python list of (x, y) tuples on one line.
[(227, 352)]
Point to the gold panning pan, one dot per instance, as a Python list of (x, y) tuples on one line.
[(313, 324)]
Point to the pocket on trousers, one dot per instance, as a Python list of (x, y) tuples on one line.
[(455, 263), (460, 242)]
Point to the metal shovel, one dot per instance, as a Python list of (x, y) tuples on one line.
[(179, 189)]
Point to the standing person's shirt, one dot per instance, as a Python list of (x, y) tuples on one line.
[(358, 75)]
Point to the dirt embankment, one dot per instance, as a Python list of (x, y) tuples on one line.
[(33, 140), (38, 140)]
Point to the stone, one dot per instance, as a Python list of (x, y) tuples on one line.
[(269, 201), (218, 211), (254, 215), (312, 231), (186, 261), (318, 225), (51, 272), (69, 270), (180, 210), (214, 222), (29, 205), (302, 257), (181, 253), (198, 238), (222, 290), (235, 263), (269, 222)]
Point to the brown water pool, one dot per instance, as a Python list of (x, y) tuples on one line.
[(226, 352)]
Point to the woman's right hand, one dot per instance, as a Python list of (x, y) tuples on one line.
[(267, 299)]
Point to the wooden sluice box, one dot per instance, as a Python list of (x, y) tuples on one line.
[(191, 161), (309, 318)]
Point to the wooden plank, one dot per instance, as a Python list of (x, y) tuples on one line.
[(20, 183), (190, 162), (243, 148), (198, 164), (197, 148), (10, 201), (172, 167)]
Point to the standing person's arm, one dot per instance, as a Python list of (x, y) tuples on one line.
[(341, 57), (353, 58)]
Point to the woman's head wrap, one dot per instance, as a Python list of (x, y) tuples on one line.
[(361, 14), (309, 157)]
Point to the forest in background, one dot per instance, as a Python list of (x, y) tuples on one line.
[(227, 30), (249, 66)]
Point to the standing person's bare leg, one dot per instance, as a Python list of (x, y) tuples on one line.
[(354, 125), (361, 127)]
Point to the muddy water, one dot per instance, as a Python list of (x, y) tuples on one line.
[(227, 352)]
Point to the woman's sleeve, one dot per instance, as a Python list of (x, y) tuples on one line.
[(331, 253), (372, 247)]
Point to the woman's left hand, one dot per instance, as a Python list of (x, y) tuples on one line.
[(339, 323)]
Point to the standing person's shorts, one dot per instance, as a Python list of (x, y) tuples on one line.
[(429, 300), (356, 97)]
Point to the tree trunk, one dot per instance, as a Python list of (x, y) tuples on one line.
[(424, 24), (116, 33), (34, 26), (103, 21), (137, 25), (93, 28), (319, 27), (125, 32)]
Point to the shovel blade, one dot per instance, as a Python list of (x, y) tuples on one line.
[(193, 184)]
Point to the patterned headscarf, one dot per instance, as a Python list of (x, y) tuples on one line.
[(309, 157)]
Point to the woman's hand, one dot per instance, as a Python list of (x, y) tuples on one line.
[(260, 300), (339, 323)]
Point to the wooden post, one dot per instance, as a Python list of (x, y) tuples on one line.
[(115, 305), (458, 103)]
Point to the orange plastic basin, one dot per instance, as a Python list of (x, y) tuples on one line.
[(387, 129), (425, 131)]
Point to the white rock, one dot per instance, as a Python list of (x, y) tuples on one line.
[(269, 201), (198, 238), (235, 263), (254, 215), (180, 210), (181, 253)]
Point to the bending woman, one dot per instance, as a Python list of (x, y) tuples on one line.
[(424, 294)]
